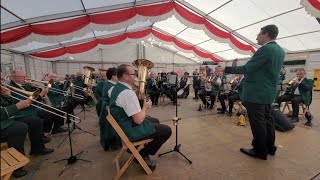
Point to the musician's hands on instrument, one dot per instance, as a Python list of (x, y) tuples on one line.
[(23, 104), (147, 103), (5, 92), (44, 91), (296, 81)]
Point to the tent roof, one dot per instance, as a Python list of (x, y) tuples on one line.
[(243, 19)]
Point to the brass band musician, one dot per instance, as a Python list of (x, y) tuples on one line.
[(152, 88), (213, 84)]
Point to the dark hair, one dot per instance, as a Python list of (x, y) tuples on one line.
[(122, 69), (111, 72), (272, 31)]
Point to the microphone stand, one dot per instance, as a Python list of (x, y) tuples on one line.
[(175, 123), (73, 158)]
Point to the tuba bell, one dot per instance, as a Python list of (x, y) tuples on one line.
[(87, 74), (142, 65)]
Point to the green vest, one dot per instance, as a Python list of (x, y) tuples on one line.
[(26, 112), (80, 83), (56, 98), (108, 136), (8, 110), (149, 85), (132, 130), (183, 82), (98, 92), (215, 88)]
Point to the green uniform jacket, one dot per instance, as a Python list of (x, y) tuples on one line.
[(79, 82), (149, 85), (27, 112), (98, 93), (8, 110), (214, 88), (183, 82), (132, 130), (262, 72), (108, 136), (56, 98), (305, 88)]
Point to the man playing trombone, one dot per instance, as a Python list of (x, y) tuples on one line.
[(14, 130), (18, 81)]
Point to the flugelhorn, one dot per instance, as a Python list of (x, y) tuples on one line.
[(234, 80), (48, 83), (31, 95), (142, 65)]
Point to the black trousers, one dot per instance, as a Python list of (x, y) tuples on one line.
[(50, 119), (295, 101), (162, 134), (262, 127), (196, 91), (203, 93), (15, 134), (154, 96), (232, 97)]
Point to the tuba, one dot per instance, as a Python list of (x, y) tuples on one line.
[(142, 65), (87, 74)]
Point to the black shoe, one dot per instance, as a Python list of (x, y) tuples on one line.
[(221, 112), (272, 151), (230, 114), (294, 119), (59, 130), (211, 107), (308, 124), (219, 109), (19, 173), (46, 139), (250, 152), (150, 163), (43, 151)]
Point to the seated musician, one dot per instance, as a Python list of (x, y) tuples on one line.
[(79, 82), (14, 131), (125, 108), (184, 84), (299, 92), (212, 89), (196, 87), (108, 136), (153, 88), (233, 95), (98, 90), (18, 81)]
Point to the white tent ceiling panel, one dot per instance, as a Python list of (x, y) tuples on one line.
[(311, 41), (207, 5), (36, 8), (33, 45), (231, 54), (6, 58), (88, 35), (158, 55), (291, 44), (126, 52), (6, 17), (274, 7), (181, 60), (105, 33), (237, 14), (193, 35), (214, 46), (171, 25), (139, 24), (98, 3)]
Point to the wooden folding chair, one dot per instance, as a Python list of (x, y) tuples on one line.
[(4, 146), (127, 144), (11, 159), (303, 107), (240, 107)]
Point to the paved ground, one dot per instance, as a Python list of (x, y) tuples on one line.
[(210, 140)]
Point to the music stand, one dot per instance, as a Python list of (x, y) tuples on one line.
[(73, 158), (176, 119), (74, 126)]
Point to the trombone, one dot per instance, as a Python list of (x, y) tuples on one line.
[(49, 85), (33, 96)]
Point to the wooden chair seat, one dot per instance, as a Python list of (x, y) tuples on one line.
[(288, 106), (127, 144), (11, 159), (4, 145)]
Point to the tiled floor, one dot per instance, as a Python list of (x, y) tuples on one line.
[(210, 140)]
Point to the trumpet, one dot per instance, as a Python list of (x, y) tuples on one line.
[(209, 79), (292, 80), (31, 95), (235, 80)]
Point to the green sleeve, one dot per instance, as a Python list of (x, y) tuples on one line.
[(253, 64), (8, 111), (307, 85)]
